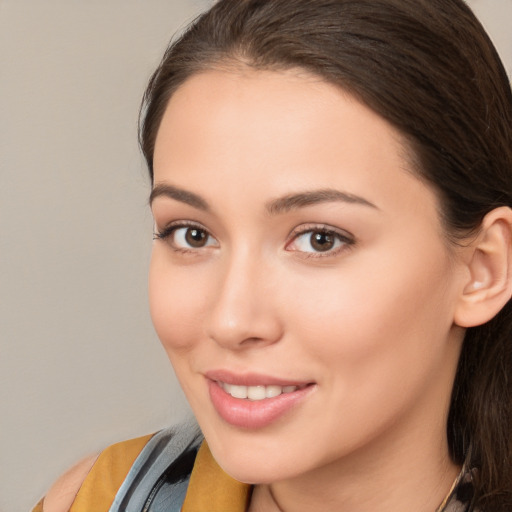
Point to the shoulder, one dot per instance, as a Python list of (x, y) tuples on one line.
[(62, 493)]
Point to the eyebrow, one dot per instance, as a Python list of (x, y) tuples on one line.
[(309, 198), (274, 207), (178, 194)]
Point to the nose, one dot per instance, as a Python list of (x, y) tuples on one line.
[(243, 311)]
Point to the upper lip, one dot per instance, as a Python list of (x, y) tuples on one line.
[(251, 379)]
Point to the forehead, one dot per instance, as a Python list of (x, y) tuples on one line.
[(255, 105)]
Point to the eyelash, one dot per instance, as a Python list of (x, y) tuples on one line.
[(346, 239)]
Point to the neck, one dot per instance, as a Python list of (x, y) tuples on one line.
[(393, 475)]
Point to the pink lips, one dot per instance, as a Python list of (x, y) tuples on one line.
[(249, 414)]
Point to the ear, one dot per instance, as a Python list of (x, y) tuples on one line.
[(489, 286)]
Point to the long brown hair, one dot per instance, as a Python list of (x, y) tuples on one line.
[(429, 68)]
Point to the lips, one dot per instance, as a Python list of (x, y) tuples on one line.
[(253, 401)]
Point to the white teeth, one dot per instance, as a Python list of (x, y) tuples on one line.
[(272, 391), (256, 392), (238, 391)]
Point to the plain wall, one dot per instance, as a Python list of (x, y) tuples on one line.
[(80, 365)]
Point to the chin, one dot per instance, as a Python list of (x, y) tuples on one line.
[(251, 472), (252, 459)]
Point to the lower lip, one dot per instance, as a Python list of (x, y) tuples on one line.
[(255, 414)]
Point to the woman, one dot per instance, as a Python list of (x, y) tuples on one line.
[(331, 273)]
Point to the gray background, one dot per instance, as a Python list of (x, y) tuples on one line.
[(80, 366)]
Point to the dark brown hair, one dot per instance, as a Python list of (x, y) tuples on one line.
[(429, 68)]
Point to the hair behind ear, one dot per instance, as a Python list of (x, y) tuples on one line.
[(480, 418)]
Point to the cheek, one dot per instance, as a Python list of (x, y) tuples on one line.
[(176, 303), (378, 342), (371, 318)]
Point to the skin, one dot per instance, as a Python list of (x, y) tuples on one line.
[(61, 495), (370, 323)]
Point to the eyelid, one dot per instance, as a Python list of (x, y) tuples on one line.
[(310, 227), (175, 224)]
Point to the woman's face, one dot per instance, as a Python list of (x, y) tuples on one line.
[(300, 281)]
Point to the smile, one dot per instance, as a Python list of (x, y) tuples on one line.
[(256, 393), (252, 406)]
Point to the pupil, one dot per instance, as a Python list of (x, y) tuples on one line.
[(322, 241), (195, 237)]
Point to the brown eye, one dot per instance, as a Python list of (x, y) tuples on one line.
[(322, 241), (196, 238)]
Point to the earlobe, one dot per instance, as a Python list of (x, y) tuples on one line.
[(490, 269)]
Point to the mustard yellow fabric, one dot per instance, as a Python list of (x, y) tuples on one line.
[(211, 489), (39, 506), (106, 476)]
